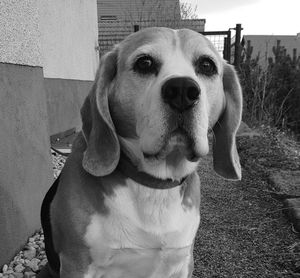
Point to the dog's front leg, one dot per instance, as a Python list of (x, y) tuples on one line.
[(74, 265)]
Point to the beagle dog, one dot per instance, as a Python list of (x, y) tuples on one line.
[(126, 204)]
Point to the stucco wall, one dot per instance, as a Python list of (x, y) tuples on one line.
[(25, 166), (59, 35), (64, 100), (38, 38), (19, 32), (69, 38)]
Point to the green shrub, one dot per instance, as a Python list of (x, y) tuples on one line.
[(272, 95)]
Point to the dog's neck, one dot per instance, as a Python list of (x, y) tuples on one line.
[(130, 170)]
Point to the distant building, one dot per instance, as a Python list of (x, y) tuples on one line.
[(118, 18), (138, 10), (263, 45)]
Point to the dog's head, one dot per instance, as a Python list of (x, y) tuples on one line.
[(156, 96)]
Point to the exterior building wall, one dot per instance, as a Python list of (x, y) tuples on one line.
[(69, 36), (38, 39), (64, 100), (25, 165), (137, 10), (19, 33)]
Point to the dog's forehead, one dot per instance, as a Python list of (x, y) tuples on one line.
[(147, 37), (166, 39), (192, 40)]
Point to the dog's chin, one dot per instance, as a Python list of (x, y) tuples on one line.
[(178, 146), (177, 157)]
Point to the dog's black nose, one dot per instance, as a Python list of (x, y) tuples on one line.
[(181, 93)]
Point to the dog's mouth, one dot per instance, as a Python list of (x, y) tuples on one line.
[(183, 138), (179, 142)]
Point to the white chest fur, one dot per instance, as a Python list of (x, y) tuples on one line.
[(146, 230)]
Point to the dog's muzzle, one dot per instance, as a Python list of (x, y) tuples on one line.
[(180, 93)]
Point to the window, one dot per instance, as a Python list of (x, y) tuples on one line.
[(108, 17)]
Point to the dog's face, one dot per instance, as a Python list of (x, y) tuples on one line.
[(158, 94)]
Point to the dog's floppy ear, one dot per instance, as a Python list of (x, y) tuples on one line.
[(103, 150), (225, 155)]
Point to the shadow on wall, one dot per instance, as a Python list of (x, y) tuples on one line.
[(12, 222), (25, 162), (64, 100)]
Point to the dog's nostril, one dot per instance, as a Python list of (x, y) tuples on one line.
[(193, 93)]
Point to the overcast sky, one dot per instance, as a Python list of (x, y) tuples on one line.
[(258, 17)]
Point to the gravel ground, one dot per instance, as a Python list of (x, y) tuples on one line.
[(28, 261), (243, 232), (58, 162)]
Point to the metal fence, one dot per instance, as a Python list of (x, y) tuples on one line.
[(227, 45), (111, 32)]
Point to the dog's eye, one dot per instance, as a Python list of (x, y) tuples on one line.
[(206, 66), (145, 65)]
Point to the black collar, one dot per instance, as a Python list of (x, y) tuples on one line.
[(128, 169)]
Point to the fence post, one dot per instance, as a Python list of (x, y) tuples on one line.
[(237, 48), (225, 50), (229, 46), (136, 28)]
